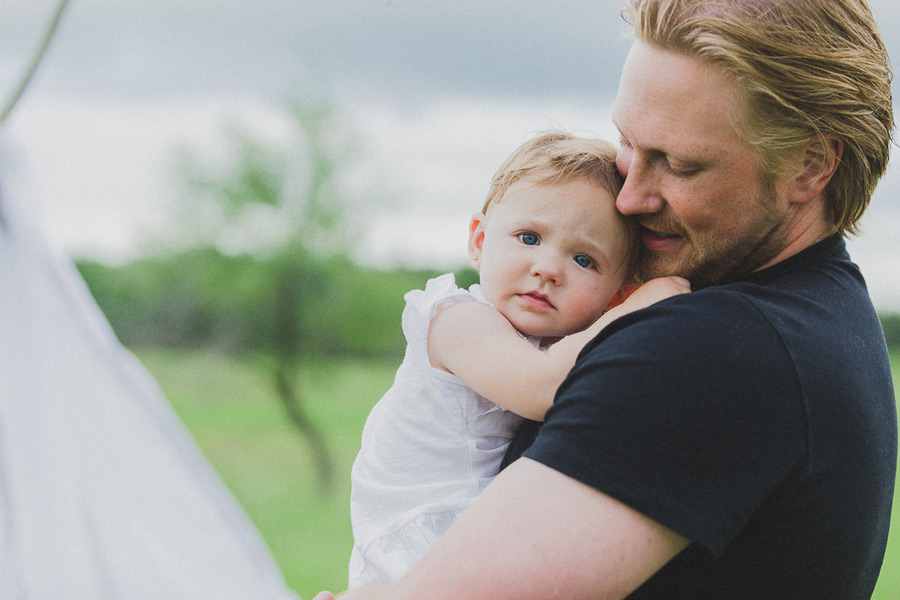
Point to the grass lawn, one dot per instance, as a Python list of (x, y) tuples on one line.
[(235, 418), (238, 422), (888, 587)]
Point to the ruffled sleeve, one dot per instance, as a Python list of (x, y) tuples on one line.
[(421, 307)]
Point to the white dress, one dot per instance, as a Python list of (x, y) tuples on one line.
[(429, 447), (103, 493)]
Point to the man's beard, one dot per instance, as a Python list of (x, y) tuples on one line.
[(718, 260), (719, 266)]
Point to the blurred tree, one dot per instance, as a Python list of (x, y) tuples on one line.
[(202, 298), (891, 324), (281, 201)]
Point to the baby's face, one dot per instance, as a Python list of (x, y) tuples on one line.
[(551, 257)]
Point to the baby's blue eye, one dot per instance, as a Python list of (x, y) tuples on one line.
[(529, 239), (584, 261)]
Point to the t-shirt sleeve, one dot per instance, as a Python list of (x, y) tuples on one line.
[(686, 411)]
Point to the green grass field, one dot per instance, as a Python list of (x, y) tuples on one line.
[(236, 419)]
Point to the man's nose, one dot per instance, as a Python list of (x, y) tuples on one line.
[(640, 194)]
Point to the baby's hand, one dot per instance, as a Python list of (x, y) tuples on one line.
[(652, 292)]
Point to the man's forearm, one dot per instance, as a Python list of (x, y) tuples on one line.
[(535, 533)]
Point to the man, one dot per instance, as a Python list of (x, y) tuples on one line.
[(739, 441)]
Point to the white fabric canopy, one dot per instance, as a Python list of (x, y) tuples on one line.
[(103, 493)]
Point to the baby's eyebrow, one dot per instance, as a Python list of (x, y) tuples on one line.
[(528, 222)]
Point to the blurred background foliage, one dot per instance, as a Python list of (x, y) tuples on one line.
[(201, 298), (891, 325)]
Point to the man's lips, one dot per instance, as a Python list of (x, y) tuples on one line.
[(658, 241), (535, 300)]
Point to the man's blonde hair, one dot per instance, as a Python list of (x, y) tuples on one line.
[(806, 69)]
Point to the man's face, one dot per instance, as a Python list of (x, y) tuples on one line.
[(692, 184)]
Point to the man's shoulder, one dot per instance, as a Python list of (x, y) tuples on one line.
[(718, 310), (738, 329), (783, 301)]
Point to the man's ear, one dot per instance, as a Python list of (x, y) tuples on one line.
[(820, 159), (476, 238)]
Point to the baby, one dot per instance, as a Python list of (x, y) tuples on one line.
[(553, 255)]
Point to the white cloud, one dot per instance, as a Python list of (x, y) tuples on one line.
[(99, 168)]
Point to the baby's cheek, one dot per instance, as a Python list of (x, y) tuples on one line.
[(588, 308)]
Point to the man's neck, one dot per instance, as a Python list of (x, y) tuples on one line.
[(809, 225)]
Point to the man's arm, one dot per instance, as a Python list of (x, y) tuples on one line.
[(536, 533)]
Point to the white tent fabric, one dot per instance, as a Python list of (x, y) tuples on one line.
[(103, 493)]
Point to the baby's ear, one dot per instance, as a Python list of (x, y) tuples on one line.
[(476, 237), (626, 290)]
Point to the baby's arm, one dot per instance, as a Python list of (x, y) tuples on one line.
[(477, 344), (649, 293)]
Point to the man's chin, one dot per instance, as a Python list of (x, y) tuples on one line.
[(652, 266), (699, 277)]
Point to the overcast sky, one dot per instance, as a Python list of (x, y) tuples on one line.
[(439, 93)]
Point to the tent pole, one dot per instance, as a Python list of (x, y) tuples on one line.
[(35, 61), (29, 73)]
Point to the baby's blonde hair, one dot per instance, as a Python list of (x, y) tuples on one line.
[(557, 157)]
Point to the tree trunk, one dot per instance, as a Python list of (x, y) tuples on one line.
[(286, 385)]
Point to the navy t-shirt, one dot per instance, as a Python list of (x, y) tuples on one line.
[(756, 418)]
